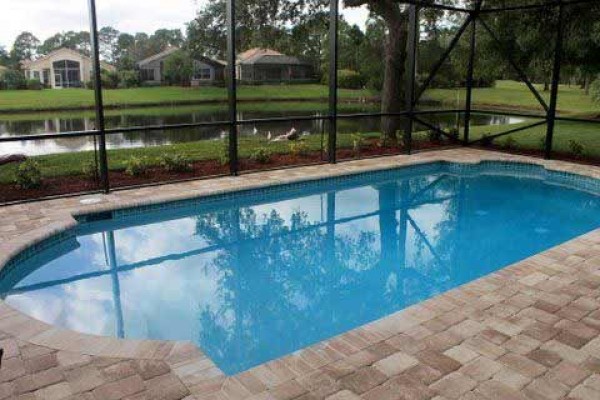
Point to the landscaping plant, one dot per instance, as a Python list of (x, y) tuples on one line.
[(357, 143), (576, 148), (509, 143), (28, 175), (262, 155), (137, 166), (299, 149), (177, 162), (89, 170)]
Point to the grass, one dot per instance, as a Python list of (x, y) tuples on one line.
[(71, 163), (31, 100), (586, 134), (310, 107), (516, 96), (504, 95)]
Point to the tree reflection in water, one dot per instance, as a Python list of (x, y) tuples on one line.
[(254, 278), (328, 281)]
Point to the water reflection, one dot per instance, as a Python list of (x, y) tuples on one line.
[(254, 279), (78, 121)]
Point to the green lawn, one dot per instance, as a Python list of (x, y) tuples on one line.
[(23, 100), (586, 134), (71, 164), (504, 95), (516, 96)]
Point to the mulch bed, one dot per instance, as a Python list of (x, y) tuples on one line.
[(202, 169)]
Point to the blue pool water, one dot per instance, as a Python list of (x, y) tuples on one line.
[(257, 275)]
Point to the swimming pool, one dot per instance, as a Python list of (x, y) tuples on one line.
[(253, 276)]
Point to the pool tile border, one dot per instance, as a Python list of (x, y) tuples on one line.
[(370, 357)]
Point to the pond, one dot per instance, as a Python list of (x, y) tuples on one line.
[(41, 123)]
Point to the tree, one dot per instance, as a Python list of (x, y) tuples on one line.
[(179, 68), (25, 47), (79, 41), (395, 18), (108, 38), (4, 56)]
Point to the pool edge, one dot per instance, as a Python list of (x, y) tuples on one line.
[(185, 354)]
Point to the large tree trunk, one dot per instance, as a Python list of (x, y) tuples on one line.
[(392, 96)]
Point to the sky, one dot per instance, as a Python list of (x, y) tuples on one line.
[(44, 18)]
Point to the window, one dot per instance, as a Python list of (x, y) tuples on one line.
[(147, 74), (46, 76), (36, 75), (202, 73), (67, 74)]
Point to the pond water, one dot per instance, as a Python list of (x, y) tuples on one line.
[(41, 123)]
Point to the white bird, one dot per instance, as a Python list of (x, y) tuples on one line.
[(255, 131), (269, 136), (292, 134), (223, 135), (280, 138)]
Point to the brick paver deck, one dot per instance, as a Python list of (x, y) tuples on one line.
[(529, 331)]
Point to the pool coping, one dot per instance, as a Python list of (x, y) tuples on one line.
[(197, 372)]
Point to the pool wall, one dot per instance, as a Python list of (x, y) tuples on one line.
[(466, 312)]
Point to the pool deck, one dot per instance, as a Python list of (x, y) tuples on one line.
[(529, 331)]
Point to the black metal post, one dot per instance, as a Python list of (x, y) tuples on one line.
[(470, 70), (232, 88), (333, 78), (508, 55), (99, 104), (436, 68), (551, 116), (409, 94)]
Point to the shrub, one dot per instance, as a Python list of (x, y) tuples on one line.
[(576, 148), (110, 80), (348, 79), (128, 79), (299, 149), (89, 170), (261, 155), (357, 143), (224, 153), (595, 90), (33, 84), (454, 135), (509, 143), (28, 175), (434, 136), (137, 166), (179, 68), (176, 162), (487, 140), (14, 80)]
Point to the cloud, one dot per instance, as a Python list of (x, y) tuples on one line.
[(44, 18)]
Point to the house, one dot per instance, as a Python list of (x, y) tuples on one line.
[(206, 70), (270, 66), (62, 68)]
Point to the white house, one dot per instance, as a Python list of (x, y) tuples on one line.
[(62, 68)]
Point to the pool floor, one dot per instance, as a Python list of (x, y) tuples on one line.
[(257, 276)]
